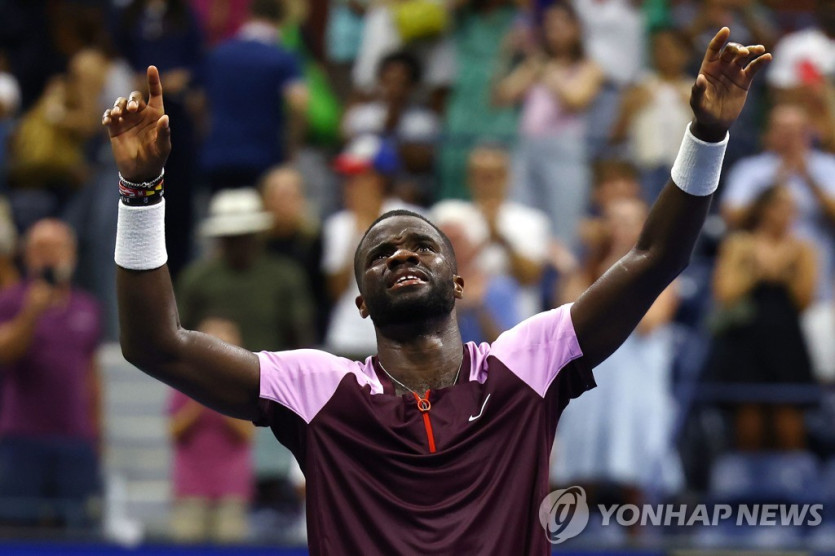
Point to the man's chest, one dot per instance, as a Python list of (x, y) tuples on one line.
[(460, 422)]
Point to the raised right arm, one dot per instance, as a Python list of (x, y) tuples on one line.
[(219, 375)]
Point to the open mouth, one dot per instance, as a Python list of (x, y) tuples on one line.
[(408, 278)]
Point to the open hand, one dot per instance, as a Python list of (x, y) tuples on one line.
[(722, 86), (139, 132)]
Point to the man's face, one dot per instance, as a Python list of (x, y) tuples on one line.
[(788, 129), (283, 195), (239, 252), (669, 54), (395, 82), (360, 189), (50, 245), (488, 175), (405, 273)]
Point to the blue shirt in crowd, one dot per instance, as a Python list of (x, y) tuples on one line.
[(245, 79)]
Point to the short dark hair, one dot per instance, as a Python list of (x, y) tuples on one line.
[(755, 214), (403, 212), (605, 169), (578, 50), (272, 10), (403, 58)]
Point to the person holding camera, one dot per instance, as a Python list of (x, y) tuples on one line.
[(49, 400)]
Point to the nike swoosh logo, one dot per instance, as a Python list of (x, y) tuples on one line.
[(473, 418)]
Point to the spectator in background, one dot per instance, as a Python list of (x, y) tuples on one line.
[(248, 80), (50, 408), (46, 153), (265, 296), (50, 149), (393, 113), (655, 110), (368, 165), (483, 44), (296, 233), (491, 304), (556, 88), (749, 17), (518, 235), (809, 174), (613, 33), (220, 19), (422, 30), (9, 275), (614, 180), (212, 475), (614, 36), (343, 37), (764, 278), (167, 34), (804, 70), (103, 75), (620, 435)]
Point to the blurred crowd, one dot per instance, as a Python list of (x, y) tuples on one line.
[(535, 133)]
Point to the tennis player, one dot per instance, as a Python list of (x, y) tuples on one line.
[(432, 446)]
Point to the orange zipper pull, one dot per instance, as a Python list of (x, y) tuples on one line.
[(424, 406)]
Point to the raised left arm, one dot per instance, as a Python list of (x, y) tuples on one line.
[(607, 313)]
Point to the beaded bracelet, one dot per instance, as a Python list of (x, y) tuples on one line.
[(141, 197)]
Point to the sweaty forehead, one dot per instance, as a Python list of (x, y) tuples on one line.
[(397, 227)]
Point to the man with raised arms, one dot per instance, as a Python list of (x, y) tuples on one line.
[(431, 446)]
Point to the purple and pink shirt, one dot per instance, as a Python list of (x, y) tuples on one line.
[(48, 392), (465, 477), (210, 459)]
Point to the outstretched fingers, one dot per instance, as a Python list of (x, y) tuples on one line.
[(118, 109), (136, 102), (756, 65), (154, 88), (698, 90), (112, 117), (716, 43), (732, 53), (163, 131)]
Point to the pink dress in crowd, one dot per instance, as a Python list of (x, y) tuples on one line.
[(210, 459)]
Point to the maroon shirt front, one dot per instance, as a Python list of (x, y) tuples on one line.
[(374, 483)]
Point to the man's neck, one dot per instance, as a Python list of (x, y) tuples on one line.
[(423, 357)]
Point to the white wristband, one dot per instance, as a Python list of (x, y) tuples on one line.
[(140, 237), (698, 164)]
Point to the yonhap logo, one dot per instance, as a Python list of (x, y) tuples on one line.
[(564, 514)]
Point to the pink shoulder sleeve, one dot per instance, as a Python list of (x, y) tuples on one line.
[(538, 348), (304, 380)]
